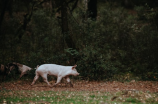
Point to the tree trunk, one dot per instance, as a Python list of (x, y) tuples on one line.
[(92, 9), (128, 4), (65, 28), (3, 8)]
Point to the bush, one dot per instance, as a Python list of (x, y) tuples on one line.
[(117, 42)]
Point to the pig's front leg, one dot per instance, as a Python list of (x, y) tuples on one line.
[(58, 81), (22, 73), (34, 80), (69, 81)]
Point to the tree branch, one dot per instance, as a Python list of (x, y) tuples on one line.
[(27, 19)]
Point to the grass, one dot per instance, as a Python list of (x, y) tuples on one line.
[(133, 100), (78, 97), (65, 97)]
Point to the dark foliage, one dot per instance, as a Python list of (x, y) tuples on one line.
[(120, 42)]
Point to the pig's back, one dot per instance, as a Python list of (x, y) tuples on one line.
[(51, 69), (53, 66)]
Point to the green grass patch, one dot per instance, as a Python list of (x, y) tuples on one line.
[(132, 100), (75, 97)]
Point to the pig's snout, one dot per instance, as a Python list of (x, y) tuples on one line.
[(77, 74)]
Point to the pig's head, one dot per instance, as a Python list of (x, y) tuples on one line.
[(74, 71), (19, 65), (4, 69), (11, 67)]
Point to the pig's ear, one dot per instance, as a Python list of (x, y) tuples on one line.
[(74, 66)]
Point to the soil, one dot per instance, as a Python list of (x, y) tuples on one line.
[(113, 86)]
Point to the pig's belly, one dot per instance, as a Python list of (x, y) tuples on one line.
[(52, 73)]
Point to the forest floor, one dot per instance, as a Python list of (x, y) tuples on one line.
[(102, 86)]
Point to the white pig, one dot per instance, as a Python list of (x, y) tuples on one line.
[(56, 70), (22, 68)]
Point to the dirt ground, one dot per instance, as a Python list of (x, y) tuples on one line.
[(151, 86)]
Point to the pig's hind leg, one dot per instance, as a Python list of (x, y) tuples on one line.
[(34, 80)]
